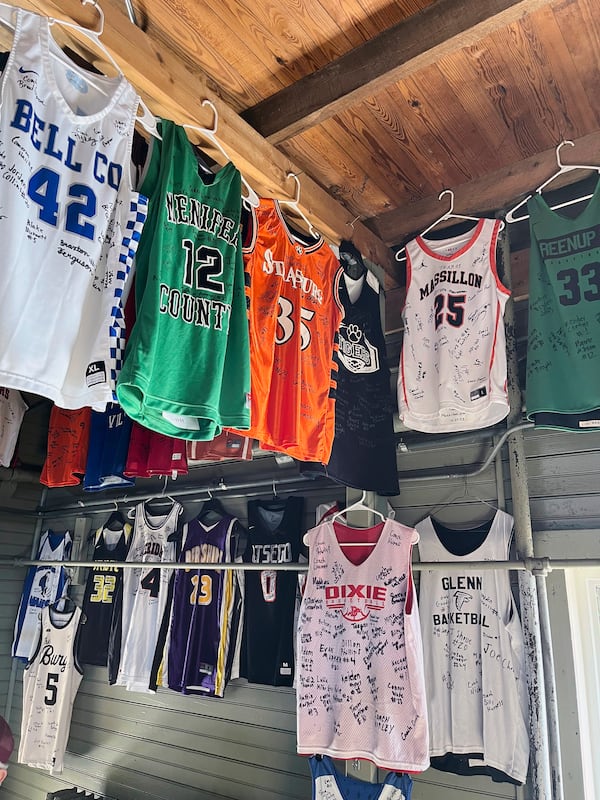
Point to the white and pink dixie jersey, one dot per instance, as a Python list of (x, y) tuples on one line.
[(452, 374), (360, 685)]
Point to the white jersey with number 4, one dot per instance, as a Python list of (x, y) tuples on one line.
[(452, 374), (145, 593), (69, 220)]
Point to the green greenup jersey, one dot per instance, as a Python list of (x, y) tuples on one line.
[(563, 353), (187, 363)]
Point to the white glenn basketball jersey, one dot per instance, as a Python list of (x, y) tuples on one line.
[(145, 592), (69, 220), (360, 686), (50, 683), (452, 374), (474, 653)]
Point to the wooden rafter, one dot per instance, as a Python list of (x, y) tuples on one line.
[(175, 89), (494, 191), (400, 51)]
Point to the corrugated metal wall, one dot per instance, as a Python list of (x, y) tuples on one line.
[(168, 747)]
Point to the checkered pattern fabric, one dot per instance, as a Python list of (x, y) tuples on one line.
[(129, 245)]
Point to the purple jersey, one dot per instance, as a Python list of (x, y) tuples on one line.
[(204, 601)]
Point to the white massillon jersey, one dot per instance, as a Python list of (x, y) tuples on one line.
[(452, 374), (360, 686), (474, 651), (50, 683), (69, 220), (145, 592)]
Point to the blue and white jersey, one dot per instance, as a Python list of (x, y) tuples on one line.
[(69, 220), (110, 432), (328, 784), (42, 586)]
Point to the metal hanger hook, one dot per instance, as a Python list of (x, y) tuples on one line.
[(558, 149), (351, 224), (274, 489), (164, 489), (209, 493)]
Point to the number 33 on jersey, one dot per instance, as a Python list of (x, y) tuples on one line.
[(295, 311)]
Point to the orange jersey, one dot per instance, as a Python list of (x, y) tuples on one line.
[(68, 439), (294, 313)]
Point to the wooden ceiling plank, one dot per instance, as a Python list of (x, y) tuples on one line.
[(393, 55), (175, 90), (496, 190)]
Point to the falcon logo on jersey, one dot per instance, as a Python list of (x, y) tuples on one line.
[(356, 352), (356, 601)]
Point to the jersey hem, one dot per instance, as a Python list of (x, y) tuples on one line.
[(345, 755), (12, 380), (485, 762), (433, 424)]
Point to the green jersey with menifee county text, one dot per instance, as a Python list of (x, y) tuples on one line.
[(187, 362)]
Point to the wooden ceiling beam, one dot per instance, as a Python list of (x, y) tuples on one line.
[(393, 55), (174, 88), (484, 196)]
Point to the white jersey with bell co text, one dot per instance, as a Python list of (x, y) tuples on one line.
[(69, 220), (452, 374), (474, 653), (145, 594), (360, 686), (50, 683)]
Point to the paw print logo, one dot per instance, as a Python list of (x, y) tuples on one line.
[(354, 333), (299, 250)]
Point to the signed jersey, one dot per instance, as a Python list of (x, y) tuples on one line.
[(69, 220), (452, 374)]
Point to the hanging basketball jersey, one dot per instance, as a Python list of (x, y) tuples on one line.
[(274, 530), (68, 439), (42, 586), (295, 314), (474, 654), (50, 683), (70, 220), (452, 374), (563, 344), (199, 643), (12, 411), (146, 594), (364, 452), (329, 784), (360, 687), (102, 587), (187, 365), (152, 454), (110, 431)]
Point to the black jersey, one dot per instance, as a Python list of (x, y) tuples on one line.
[(364, 453), (102, 587), (274, 537)]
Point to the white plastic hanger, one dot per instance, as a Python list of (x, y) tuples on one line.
[(455, 498), (359, 505), (450, 214), (147, 120), (251, 198), (561, 169), (293, 204)]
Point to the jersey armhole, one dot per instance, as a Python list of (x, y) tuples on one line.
[(249, 230), (494, 247)]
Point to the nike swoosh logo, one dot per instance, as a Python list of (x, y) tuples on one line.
[(25, 71)]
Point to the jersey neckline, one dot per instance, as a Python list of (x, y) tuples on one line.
[(47, 42), (307, 242), (426, 244), (436, 525), (539, 200)]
